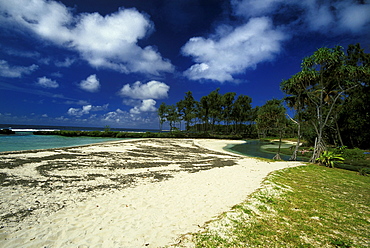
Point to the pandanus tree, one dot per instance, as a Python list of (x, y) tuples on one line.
[(325, 79), (296, 99)]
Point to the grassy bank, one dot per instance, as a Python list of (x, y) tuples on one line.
[(307, 206)]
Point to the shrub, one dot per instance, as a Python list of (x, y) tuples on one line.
[(149, 135), (354, 154), (121, 135), (328, 159)]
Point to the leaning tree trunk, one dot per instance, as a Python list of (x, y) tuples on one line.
[(277, 156), (338, 133)]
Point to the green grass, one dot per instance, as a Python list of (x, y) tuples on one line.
[(307, 206)]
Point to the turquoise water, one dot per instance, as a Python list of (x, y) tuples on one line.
[(27, 141), (256, 148)]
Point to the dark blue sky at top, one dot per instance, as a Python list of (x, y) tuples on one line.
[(113, 62)]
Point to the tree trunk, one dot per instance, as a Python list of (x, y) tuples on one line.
[(338, 133), (319, 148), (294, 155), (277, 156)]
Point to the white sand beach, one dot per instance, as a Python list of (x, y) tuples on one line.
[(133, 193)]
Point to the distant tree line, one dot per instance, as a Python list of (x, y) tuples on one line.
[(213, 113)]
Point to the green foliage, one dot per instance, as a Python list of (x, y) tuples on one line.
[(209, 113), (364, 171), (354, 154), (174, 134), (340, 149), (6, 131), (330, 95), (271, 116), (329, 158)]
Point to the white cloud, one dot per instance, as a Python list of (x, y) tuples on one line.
[(355, 17), (124, 118), (118, 116), (9, 71), (78, 112), (79, 102), (91, 84), (141, 96), (232, 51), (49, 19), (47, 82), (113, 116), (147, 105), (322, 16), (66, 63), (150, 90), (104, 41)]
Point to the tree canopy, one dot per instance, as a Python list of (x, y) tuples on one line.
[(325, 87)]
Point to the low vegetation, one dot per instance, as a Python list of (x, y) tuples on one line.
[(307, 206), (117, 134)]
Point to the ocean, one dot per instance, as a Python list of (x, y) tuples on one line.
[(24, 139)]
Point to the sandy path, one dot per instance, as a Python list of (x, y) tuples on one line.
[(149, 213)]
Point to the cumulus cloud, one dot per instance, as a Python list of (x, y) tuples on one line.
[(150, 90), (78, 112), (128, 119), (114, 116), (91, 84), (109, 41), (322, 16), (9, 71), (231, 51), (141, 96), (147, 105), (47, 82)]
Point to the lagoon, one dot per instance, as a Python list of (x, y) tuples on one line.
[(257, 148), (27, 141)]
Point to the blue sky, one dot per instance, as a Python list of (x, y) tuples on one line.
[(113, 62)]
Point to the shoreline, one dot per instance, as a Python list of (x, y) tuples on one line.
[(128, 193)]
